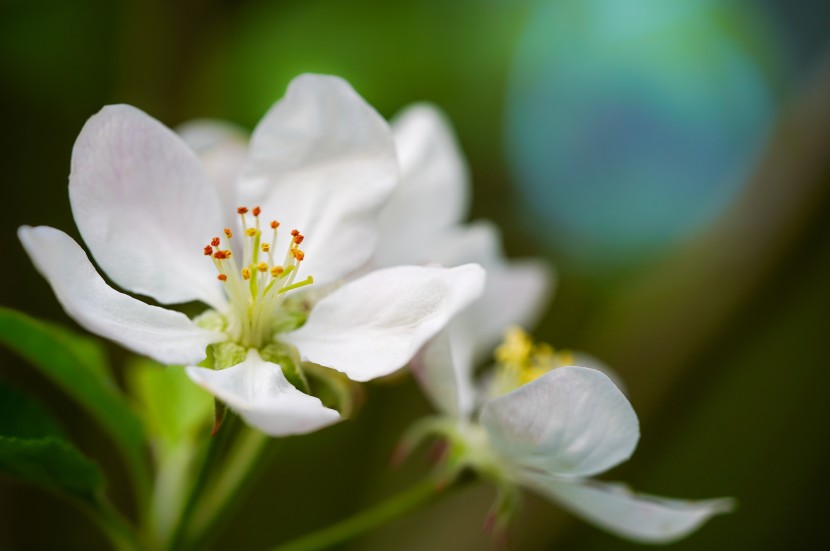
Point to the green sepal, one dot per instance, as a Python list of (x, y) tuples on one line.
[(220, 411), (334, 389), (227, 354), (34, 450), (288, 359)]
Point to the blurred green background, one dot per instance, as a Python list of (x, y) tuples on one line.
[(671, 159)]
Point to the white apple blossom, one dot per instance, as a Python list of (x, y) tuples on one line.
[(163, 223), (423, 224), (547, 425)]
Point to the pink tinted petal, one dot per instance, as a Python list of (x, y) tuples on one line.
[(145, 206)]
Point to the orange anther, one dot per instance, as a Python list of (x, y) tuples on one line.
[(228, 233), (208, 250), (277, 270), (222, 277), (256, 211), (295, 233), (215, 241), (221, 255), (246, 274), (242, 210), (299, 238), (274, 224), (298, 254)]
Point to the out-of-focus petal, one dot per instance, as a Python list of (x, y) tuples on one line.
[(323, 161), (444, 372), (374, 325), (517, 291), (572, 421), (164, 335), (638, 517), (145, 206), (259, 392), (223, 148), (433, 194)]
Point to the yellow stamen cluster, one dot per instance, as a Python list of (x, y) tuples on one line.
[(259, 285), (520, 360)]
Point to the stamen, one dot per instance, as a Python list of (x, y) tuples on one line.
[(256, 286), (307, 281)]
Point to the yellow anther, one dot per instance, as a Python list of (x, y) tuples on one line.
[(521, 361), (265, 247), (250, 232), (246, 274), (262, 267), (516, 349)]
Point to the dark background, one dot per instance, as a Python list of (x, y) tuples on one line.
[(671, 159)]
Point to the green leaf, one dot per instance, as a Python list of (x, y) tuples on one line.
[(32, 449), (21, 417), (77, 365), (52, 463)]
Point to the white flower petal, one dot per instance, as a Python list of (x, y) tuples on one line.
[(223, 149), (164, 335), (374, 325), (517, 291), (259, 392), (583, 359), (572, 421), (203, 135), (145, 207), (323, 161), (434, 191), (639, 517), (516, 294), (445, 374)]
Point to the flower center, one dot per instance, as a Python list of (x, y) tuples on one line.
[(258, 285), (519, 361)]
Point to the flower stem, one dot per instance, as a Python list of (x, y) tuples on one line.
[(366, 520), (231, 478)]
